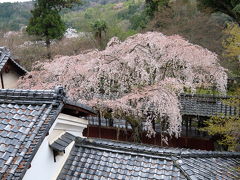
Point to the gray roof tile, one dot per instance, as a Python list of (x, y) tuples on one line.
[(191, 104), (105, 159), (205, 105), (82, 106), (62, 142), (25, 118), (5, 57)]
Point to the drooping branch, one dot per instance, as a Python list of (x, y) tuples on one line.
[(140, 77)]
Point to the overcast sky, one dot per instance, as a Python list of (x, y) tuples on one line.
[(1, 1)]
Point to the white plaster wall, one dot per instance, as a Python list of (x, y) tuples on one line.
[(43, 166), (10, 79), (71, 124)]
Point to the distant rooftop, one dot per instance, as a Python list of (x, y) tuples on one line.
[(206, 105), (5, 56), (191, 104), (106, 159)]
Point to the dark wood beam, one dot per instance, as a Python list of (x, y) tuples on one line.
[(2, 81)]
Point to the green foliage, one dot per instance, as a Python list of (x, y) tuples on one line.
[(136, 15), (99, 27), (232, 48), (46, 22), (14, 15), (116, 16), (153, 5), (226, 128), (58, 4), (230, 7), (128, 12), (231, 44), (139, 21), (139, 17)]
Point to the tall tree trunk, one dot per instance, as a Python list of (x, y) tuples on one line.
[(100, 40), (136, 129), (137, 132), (48, 45)]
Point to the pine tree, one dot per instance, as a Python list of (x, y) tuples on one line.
[(153, 5), (46, 22)]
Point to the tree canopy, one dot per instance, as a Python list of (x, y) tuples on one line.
[(139, 79), (99, 27), (46, 21), (232, 43), (153, 5), (230, 7), (226, 128)]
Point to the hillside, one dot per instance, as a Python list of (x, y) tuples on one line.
[(15, 15), (123, 18), (133, 60)]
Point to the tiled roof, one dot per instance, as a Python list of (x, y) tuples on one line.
[(25, 118), (118, 123), (86, 108), (105, 159), (5, 56), (195, 105), (205, 105), (62, 142)]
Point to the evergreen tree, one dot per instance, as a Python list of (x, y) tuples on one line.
[(230, 7), (98, 27), (153, 5), (46, 22)]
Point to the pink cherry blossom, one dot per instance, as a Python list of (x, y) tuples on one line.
[(140, 77)]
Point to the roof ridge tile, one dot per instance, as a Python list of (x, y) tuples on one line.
[(27, 95), (154, 150), (5, 55)]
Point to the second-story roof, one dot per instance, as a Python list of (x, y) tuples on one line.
[(25, 119), (5, 57), (106, 159), (206, 105)]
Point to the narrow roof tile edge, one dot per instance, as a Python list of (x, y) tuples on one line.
[(58, 94), (83, 106), (169, 150), (208, 96), (72, 137)]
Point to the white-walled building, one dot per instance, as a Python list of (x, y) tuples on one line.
[(41, 139), (33, 124), (10, 70)]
